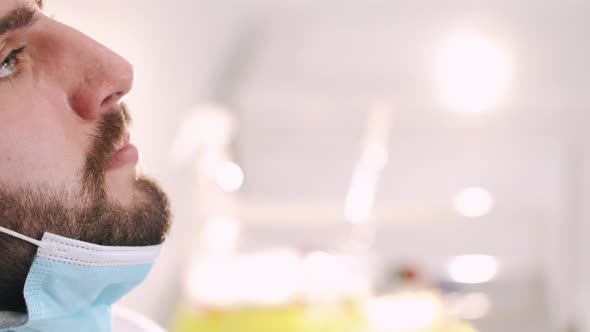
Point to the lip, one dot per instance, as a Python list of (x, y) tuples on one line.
[(126, 155)]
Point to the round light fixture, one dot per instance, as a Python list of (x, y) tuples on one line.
[(473, 269), (474, 202), (229, 176), (472, 73)]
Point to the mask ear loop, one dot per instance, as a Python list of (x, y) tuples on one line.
[(22, 237)]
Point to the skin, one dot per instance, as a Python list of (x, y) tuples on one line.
[(50, 107)]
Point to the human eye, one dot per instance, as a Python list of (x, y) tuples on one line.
[(10, 66)]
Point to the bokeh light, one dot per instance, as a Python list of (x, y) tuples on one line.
[(474, 202), (473, 72), (473, 269)]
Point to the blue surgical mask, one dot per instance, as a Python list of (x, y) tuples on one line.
[(72, 285)]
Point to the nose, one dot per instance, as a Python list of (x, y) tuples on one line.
[(95, 77)]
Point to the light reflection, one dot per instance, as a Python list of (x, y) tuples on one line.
[(229, 176), (473, 269), (474, 202), (473, 72)]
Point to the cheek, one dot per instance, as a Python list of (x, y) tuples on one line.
[(40, 145)]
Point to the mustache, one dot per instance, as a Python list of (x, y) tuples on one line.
[(110, 130)]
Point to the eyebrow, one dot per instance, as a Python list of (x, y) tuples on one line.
[(18, 18)]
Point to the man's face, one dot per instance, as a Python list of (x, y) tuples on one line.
[(63, 136), (56, 85)]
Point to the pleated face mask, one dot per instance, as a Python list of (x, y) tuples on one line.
[(72, 285)]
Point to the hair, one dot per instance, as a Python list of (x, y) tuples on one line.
[(32, 211)]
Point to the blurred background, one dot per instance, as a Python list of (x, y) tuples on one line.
[(382, 166)]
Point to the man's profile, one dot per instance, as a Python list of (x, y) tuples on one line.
[(66, 164)]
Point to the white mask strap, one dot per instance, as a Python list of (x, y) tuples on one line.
[(20, 236)]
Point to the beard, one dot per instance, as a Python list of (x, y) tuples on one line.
[(87, 214)]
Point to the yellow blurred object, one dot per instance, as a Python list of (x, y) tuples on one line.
[(347, 317), (288, 318)]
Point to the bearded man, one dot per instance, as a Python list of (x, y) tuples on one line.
[(79, 225)]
